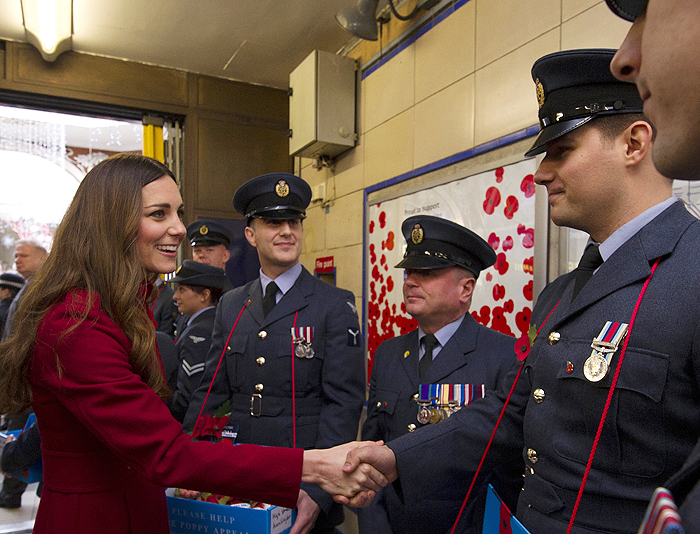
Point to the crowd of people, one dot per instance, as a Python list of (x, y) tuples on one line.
[(577, 433)]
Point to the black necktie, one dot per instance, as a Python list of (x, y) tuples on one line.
[(430, 342), (590, 261), (270, 298)]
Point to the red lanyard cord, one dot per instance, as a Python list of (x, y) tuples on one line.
[(609, 399), (294, 397), (219, 364), (498, 422)]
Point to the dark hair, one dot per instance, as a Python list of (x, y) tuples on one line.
[(215, 293), (610, 126), (101, 224)]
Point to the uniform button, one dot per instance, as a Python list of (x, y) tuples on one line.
[(532, 455), (261, 361), (554, 338), (538, 395), (262, 334), (415, 397), (228, 349), (379, 404), (259, 387), (411, 427)]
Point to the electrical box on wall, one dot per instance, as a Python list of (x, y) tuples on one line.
[(322, 106)]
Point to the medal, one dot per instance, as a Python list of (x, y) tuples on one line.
[(302, 349), (595, 368), (424, 415), (439, 401), (302, 338), (604, 346)]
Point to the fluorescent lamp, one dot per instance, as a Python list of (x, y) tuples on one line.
[(48, 25)]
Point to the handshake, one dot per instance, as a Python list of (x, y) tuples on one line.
[(353, 472)]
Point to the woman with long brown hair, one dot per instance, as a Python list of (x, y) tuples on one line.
[(82, 353)]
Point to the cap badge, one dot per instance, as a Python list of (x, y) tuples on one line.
[(282, 188), (203, 229), (417, 234), (539, 88)]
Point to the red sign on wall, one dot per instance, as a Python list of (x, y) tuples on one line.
[(324, 265)]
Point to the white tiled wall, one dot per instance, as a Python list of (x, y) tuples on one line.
[(463, 83)]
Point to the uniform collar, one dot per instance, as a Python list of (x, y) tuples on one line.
[(445, 333), (620, 236), (285, 281)]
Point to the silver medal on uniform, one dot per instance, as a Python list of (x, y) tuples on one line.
[(302, 338), (302, 349), (595, 368)]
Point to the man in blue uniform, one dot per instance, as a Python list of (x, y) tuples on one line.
[(210, 242), (449, 348), (293, 362), (600, 179), (660, 55)]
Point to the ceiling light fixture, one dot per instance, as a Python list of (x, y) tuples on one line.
[(48, 25), (361, 20)]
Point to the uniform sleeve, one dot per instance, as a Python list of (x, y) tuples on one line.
[(193, 349), (21, 453), (343, 382), (220, 391), (372, 428), (101, 394), (461, 440)]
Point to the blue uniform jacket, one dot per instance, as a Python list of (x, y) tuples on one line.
[(192, 347), (654, 419), (165, 310), (256, 372), (474, 355)]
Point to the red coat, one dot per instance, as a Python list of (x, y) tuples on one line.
[(110, 445)]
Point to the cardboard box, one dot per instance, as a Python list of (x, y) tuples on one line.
[(187, 517)]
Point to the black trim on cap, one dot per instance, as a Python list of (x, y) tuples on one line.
[(277, 212), (554, 132), (627, 9)]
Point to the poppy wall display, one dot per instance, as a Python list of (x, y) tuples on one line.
[(499, 205)]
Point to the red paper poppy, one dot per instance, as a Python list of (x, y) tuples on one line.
[(493, 199), (501, 264), (494, 241), (511, 207), (499, 292), (522, 348), (527, 186), (507, 244)]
